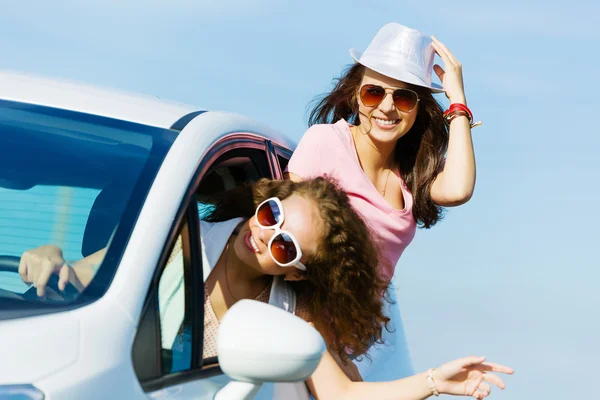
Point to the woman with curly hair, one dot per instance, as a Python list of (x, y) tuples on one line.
[(307, 234)]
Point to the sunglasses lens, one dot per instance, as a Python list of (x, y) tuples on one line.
[(268, 214), (405, 100), (283, 249), (372, 95)]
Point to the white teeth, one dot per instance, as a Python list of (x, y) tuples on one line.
[(386, 121), (254, 246)]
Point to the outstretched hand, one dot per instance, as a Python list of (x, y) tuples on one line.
[(469, 376), (451, 77)]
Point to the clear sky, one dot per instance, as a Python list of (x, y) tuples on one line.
[(513, 274)]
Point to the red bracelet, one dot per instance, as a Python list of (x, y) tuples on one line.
[(459, 109), (450, 116)]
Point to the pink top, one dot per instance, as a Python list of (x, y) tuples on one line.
[(328, 149)]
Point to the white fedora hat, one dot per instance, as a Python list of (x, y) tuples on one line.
[(400, 53)]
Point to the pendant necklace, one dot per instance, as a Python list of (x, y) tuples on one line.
[(386, 182)]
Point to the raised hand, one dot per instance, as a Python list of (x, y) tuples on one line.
[(469, 376), (451, 77)]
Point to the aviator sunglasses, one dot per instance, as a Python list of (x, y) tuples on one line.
[(283, 246), (404, 99)]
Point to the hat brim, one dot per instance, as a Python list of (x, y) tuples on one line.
[(404, 76)]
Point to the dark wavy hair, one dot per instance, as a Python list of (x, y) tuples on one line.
[(418, 154), (343, 289)]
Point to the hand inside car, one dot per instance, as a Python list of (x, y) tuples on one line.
[(37, 265)]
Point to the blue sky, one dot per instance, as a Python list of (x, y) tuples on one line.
[(514, 273)]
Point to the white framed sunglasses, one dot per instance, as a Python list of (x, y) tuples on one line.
[(283, 246)]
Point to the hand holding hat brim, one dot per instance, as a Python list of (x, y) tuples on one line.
[(451, 77)]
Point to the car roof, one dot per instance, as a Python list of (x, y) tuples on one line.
[(70, 95)]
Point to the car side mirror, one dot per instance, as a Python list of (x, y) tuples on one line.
[(259, 343)]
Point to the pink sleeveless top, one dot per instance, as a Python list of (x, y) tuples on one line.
[(328, 149)]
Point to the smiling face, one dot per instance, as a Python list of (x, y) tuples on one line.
[(384, 123), (302, 220)]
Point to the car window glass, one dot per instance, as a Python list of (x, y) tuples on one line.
[(40, 215), (176, 333), (283, 162), (233, 169), (283, 157), (65, 180)]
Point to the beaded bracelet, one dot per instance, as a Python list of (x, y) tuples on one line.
[(431, 383)]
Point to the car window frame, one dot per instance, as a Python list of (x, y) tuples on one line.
[(276, 151), (188, 212)]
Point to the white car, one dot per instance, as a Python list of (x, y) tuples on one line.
[(85, 168)]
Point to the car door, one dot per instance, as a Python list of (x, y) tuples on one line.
[(167, 353)]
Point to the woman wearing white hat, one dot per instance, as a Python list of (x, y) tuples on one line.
[(391, 146), (383, 136)]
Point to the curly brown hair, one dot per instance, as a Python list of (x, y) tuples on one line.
[(419, 153), (343, 289)]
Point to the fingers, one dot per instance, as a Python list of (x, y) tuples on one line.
[(482, 391), (490, 366), (494, 380), (472, 360), (63, 277), (42, 278), (485, 388), (23, 268), (37, 265), (478, 395), (439, 72), (443, 51)]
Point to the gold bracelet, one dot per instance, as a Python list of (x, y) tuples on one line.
[(431, 383)]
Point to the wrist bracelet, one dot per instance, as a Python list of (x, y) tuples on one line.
[(459, 109), (431, 383)]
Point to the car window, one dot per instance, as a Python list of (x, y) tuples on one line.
[(232, 169), (176, 292), (283, 162), (66, 180), (175, 325), (230, 172), (283, 158), (40, 215)]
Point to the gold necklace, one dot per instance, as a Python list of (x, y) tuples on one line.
[(226, 273), (227, 278), (386, 182), (357, 156)]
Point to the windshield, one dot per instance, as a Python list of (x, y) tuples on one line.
[(74, 182)]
